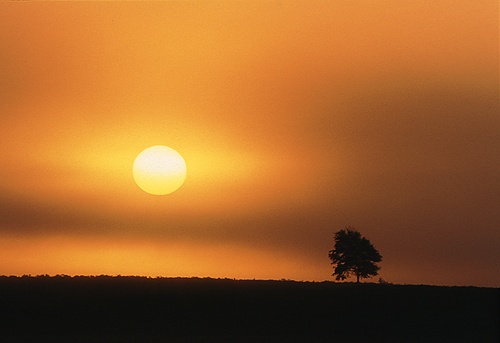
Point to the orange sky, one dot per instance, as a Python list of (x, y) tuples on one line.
[(294, 118)]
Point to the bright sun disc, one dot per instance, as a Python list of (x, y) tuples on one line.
[(159, 170)]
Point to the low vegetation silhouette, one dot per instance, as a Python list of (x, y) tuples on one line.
[(139, 309), (353, 254)]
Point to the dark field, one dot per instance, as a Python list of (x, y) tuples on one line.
[(130, 309)]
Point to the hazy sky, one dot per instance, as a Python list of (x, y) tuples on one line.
[(295, 119)]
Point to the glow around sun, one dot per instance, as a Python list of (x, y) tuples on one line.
[(159, 170)]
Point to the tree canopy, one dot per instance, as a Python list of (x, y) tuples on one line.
[(353, 254)]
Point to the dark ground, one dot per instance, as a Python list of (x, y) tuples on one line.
[(133, 309)]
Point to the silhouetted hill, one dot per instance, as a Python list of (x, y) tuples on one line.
[(130, 309)]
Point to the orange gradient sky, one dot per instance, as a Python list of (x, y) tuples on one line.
[(295, 119)]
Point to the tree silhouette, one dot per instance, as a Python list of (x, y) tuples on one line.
[(354, 254)]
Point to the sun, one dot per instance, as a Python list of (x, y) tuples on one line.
[(159, 170)]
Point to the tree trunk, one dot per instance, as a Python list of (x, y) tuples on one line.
[(357, 278)]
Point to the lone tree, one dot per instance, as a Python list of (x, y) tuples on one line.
[(354, 254)]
